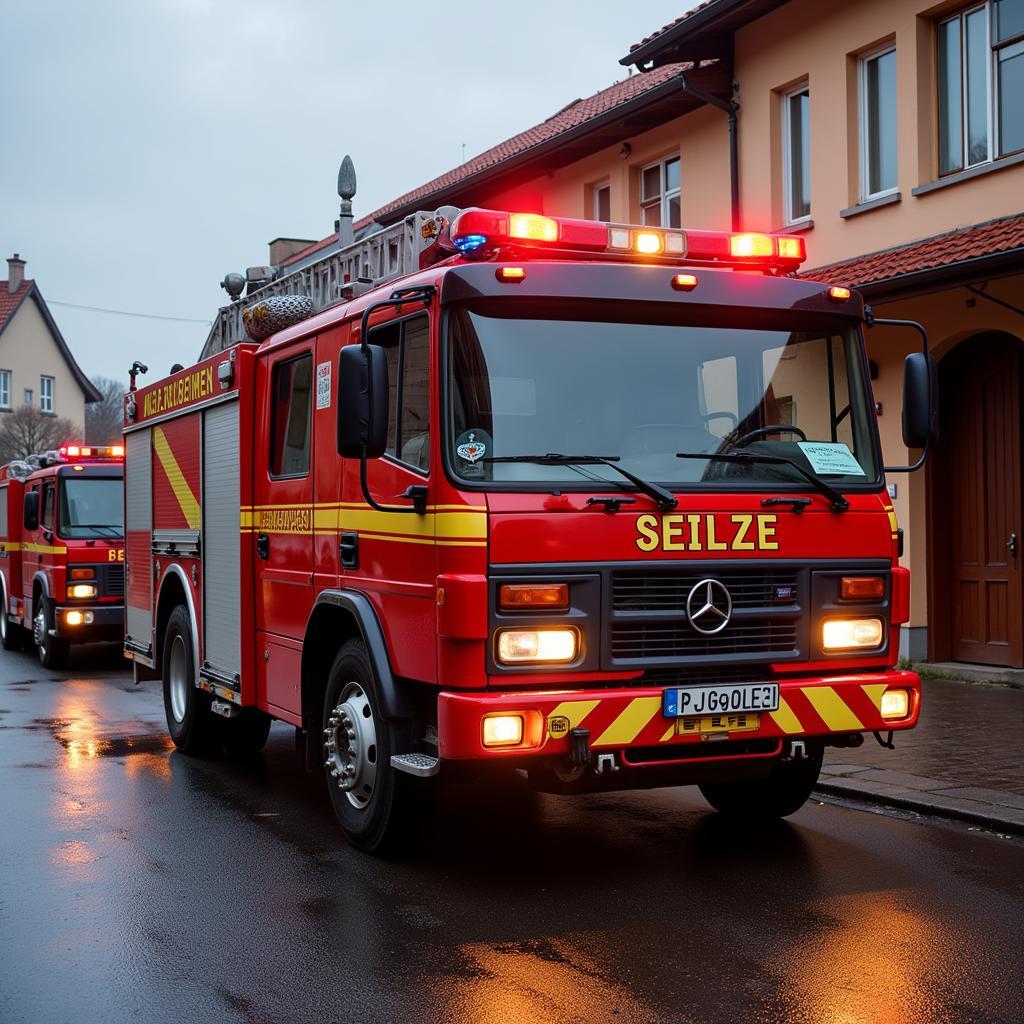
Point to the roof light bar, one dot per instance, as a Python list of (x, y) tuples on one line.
[(837, 293), (70, 452)]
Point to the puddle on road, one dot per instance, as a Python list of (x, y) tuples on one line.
[(82, 740)]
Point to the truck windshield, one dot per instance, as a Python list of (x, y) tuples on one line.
[(90, 507), (646, 393)]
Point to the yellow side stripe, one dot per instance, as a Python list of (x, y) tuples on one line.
[(874, 692), (668, 734), (832, 708), (637, 713), (574, 710), (785, 719), (182, 491)]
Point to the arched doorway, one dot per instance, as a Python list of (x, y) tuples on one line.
[(975, 501)]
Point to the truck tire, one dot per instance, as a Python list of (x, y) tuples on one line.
[(189, 718), (367, 794), (783, 792), (12, 636), (52, 650), (246, 734)]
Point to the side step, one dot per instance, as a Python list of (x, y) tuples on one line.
[(421, 765), (225, 709)]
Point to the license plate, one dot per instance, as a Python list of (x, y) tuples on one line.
[(745, 722), (700, 701)]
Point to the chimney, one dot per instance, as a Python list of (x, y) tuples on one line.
[(282, 248), (15, 273)]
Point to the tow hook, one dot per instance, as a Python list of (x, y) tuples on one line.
[(887, 742), (605, 762), (796, 750)]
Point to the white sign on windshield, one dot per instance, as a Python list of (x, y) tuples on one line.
[(830, 458)]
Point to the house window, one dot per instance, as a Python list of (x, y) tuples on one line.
[(406, 345), (46, 394), (981, 84), (878, 162), (796, 154), (28, 396), (5, 389), (602, 201), (290, 417), (659, 194)]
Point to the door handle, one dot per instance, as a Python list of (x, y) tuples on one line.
[(262, 546), (348, 549), (1012, 544)]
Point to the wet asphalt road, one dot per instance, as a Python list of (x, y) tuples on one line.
[(138, 884)]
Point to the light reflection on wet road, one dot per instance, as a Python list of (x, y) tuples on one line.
[(140, 884)]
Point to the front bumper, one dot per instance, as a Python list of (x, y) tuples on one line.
[(107, 623), (623, 719)]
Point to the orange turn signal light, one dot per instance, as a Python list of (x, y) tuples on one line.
[(862, 588), (839, 294), (83, 574), (684, 282), (519, 596), (510, 275)]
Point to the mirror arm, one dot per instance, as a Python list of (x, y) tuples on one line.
[(873, 321), (422, 293)]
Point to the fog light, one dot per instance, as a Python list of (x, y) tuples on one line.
[(516, 646), (851, 634), (75, 618), (503, 730), (79, 590), (895, 704)]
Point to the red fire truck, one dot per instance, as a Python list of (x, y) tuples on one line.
[(62, 557), (603, 503)]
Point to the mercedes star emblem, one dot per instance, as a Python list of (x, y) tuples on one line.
[(709, 607)]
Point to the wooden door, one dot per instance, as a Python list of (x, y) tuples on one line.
[(981, 438)]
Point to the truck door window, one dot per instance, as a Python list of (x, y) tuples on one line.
[(406, 344), (290, 417), (48, 505)]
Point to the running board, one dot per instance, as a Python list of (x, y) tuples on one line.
[(421, 765)]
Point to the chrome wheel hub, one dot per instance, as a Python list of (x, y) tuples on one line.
[(177, 683), (39, 628), (350, 746)]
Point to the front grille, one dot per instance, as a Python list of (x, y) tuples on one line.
[(668, 591), (673, 640), (114, 584)]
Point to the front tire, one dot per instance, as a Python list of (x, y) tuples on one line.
[(189, 718), (52, 650), (368, 796), (785, 790)]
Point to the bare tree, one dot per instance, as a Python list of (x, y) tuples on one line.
[(103, 419), (26, 431)]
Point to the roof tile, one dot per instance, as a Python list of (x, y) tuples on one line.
[(672, 24), (9, 303)]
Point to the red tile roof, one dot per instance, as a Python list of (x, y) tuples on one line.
[(672, 24), (9, 303), (569, 117), (973, 242)]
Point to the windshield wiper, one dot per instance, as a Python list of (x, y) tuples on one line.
[(96, 526), (665, 500), (839, 503)]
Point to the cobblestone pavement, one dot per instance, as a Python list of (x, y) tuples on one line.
[(965, 757)]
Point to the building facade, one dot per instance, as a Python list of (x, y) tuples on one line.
[(890, 134), (37, 368)]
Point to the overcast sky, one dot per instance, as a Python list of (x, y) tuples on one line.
[(148, 148)]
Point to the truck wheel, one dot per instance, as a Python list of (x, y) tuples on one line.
[(12, 636), (247, 734), (53, 651), (783, 792), (366, 793), (189, 718)]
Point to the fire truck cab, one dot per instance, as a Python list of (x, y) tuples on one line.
[(62, 563), (603, 503)]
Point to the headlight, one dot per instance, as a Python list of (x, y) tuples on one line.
[(537, 646), (80, 590), (851, 634)]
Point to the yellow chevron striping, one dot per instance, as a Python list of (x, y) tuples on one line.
[(874, 692), (637, 713), (668, 734), (574, 710), (785, 719), (186, 499), (832, 708)]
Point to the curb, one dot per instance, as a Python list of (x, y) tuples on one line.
[(929, 807)]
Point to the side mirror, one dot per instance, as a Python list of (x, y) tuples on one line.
[(32, 510), (920, 400), (362, 402)]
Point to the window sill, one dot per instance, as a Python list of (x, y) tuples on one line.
[(871, 204), (971, 172), (795, 229)]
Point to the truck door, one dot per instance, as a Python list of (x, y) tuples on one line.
[(282, 520)]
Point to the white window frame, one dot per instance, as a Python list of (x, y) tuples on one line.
[(596, 191), (29, 396), (5, 389), (865, 127), (46, 394), (787, 157), (665, 195)]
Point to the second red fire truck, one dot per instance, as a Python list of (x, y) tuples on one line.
[(62, 550), (600, 502)]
